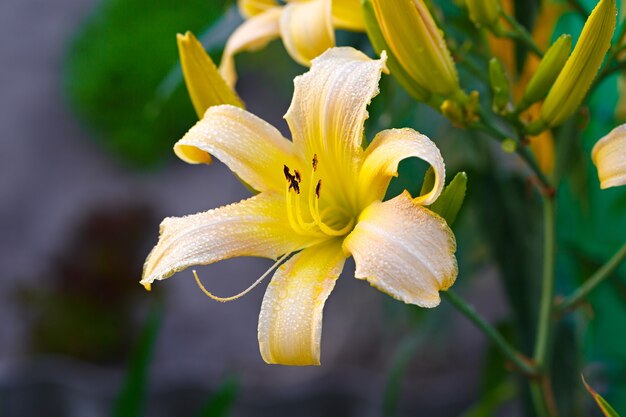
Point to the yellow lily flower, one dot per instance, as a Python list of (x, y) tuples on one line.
[(609, 156), (320, 201), (305, 26)]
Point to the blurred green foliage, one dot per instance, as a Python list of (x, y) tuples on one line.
[(221, 402), (132, 397), (89, 290), (116, 65)]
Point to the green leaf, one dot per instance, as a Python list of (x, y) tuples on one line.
[(131, 399), (222, 401), (451, 199), (606, 408), (429, 181), (114, 73), (493, 400)]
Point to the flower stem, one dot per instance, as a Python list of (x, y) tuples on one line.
[(486, 126), (596, 279), (524, 364), (538, 388), (520, 34)]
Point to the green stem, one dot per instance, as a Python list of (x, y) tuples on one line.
[(520, 34), (596, 279), (545, 311), (485, 126), (520, 361)]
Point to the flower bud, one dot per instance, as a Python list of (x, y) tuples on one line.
[(484, 12), (205, 85), (574, 80), (416, 43), (609, 156), (380, 45), (547, 72), (499, 86)]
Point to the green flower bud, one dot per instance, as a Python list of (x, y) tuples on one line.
[(574, 81), (416, 43), (484, 12), (499, 86), (547, 71)]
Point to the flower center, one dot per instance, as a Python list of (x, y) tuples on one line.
[(303, 208)]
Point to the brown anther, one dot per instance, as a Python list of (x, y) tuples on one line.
[(295, 185), (314, 162), (318, 187), (288, 175), (297, 175)]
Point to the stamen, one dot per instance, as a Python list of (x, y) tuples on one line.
[(288, 175), (314, 162), (331, 230), (292, 221), (297, 175), (295, 185), (318, 187), (244, 292)]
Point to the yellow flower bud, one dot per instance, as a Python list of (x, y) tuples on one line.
[(205, 85), (574, 81), (414, 40), (547, 72), (379, 44), (484, 12)]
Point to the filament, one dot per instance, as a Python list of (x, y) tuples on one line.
[(244, 292)]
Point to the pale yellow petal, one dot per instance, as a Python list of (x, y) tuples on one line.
[(255, 33), (609, 156), (404, 250), (257, 226), (307, 30), (205, 85), (290, 323), (249, 8), (249, 146), (328, 112), (384, 154), (347, 15)]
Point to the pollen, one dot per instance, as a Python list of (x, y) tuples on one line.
[(314, 162), (318, 188)]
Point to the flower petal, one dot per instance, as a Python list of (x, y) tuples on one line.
[(204, 83), (255, 33), (249, 8), (404, 250), (609, 156), (307, 29), (249, 146), (347, 15), (384, 154), (328, 112), (290, 323), (257, 226)]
